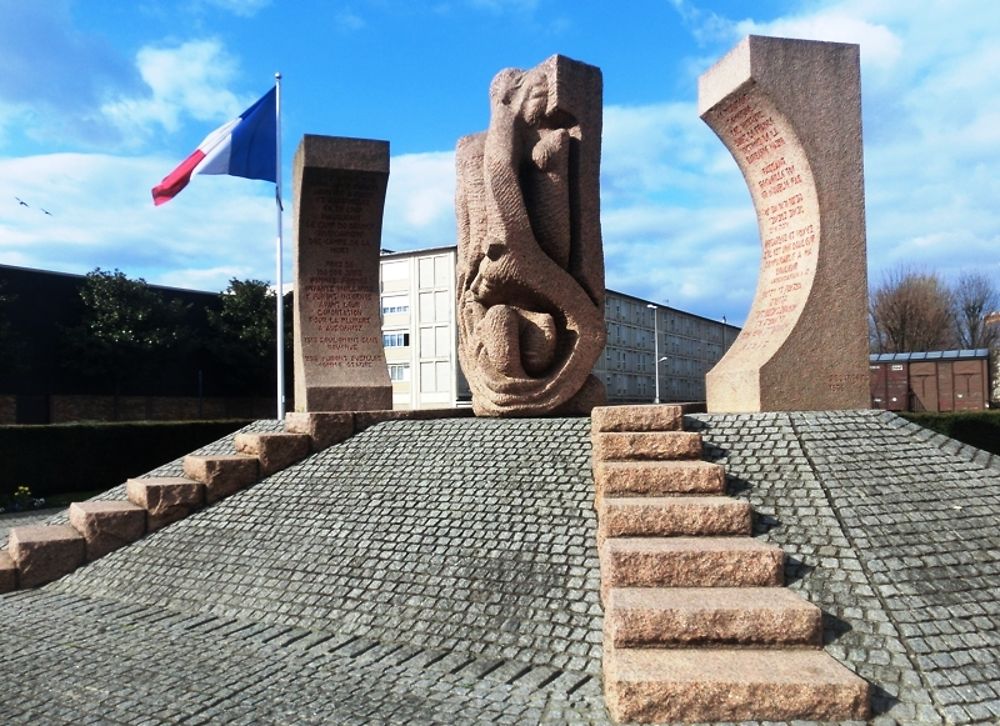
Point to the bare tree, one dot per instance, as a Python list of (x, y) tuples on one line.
[(975, 296), (911, 311)]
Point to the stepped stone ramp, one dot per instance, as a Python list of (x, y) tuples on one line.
[(9, 520), (892, 531), (421, 572), (446, 572)]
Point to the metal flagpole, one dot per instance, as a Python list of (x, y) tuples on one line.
[(279, 262)]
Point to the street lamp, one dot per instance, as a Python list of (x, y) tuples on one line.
[(656, 350)]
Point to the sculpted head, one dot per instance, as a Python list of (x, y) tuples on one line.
[(525, 93)]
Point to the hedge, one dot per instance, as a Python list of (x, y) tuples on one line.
[(975, 428), (80, 457)]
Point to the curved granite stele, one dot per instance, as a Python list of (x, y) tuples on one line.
[(530, 261), (789, 112), (339, 191)]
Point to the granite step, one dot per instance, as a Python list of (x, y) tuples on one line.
[(656, 685), (682, 617), (107, 525), (274, 450), (690, 562), (222, 475), (43, 553), (646, 445), (8, 572), (165, 499), (658, 478), (672, 516), (645, 417)]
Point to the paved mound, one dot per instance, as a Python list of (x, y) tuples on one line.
[(445, 572)]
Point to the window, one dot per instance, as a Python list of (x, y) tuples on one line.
[(395, 340), (399, 372), (395, 270), (395, 304)]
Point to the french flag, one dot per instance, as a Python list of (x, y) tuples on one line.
[(246, 146)]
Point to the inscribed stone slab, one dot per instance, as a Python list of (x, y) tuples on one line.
[(339, 192), (790, 113)]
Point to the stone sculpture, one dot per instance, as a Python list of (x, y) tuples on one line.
[(790, 113), (339, 193), (530, 258)]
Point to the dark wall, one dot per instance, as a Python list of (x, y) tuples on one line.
[(43, 305)]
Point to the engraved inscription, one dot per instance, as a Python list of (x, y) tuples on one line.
[(336, 292), (787, 211)]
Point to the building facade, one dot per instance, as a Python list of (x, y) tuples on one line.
[(419, 332), (420, 336)]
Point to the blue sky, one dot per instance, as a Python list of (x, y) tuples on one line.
[(100, 99)]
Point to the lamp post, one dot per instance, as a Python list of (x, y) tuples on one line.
[(656, 350)]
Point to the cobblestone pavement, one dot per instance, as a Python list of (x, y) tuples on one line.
[(444, 572), (893, 531), (9, 520)]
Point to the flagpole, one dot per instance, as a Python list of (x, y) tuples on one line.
[(280, 337)]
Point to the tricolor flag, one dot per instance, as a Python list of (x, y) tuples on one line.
[(246, 146)]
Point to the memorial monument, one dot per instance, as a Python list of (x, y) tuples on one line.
[(339, 193), (530, 256), (789, 111)]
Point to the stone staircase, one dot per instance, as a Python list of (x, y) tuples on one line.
[(697, 625), (38, 554)]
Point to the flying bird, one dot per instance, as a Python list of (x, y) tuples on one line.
[(46, 211), (21, 201)]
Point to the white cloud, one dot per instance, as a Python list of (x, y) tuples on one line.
[(217, 228), (55, 77), (420, 201), (676, 217), (931, 128), (880, 47), (205, 279), (103, 216), (188, 80)]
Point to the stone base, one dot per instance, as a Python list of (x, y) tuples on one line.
[(45, 553), (711, 616), (323, 428), (350, 398), (221, 475), (658, 478), (274, 451), (690, 562), (672, 517), (8, 573), (165, 499), (658, 445), (653, 686), (590, 396), (652, 417), (106, 526)]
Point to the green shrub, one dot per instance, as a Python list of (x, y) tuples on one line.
[(80, 457), (975, 428)]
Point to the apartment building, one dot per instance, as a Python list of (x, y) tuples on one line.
[(420, 337)]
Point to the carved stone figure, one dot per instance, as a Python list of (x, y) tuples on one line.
[(530, 258)]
